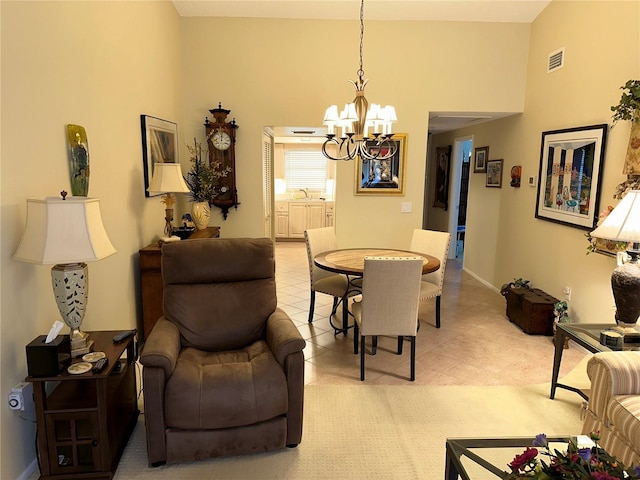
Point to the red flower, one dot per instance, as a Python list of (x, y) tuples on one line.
[(524, 458)]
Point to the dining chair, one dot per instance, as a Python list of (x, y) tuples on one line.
[(436, 244), (320, 240), (388, 305)]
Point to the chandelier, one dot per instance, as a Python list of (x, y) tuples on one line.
[(357, 120)]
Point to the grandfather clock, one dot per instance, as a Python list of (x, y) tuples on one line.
[(221, 143)]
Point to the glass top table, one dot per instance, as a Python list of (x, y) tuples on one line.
[(588, 336), (477, 451)]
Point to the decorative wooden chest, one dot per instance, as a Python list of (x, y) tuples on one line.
[(531, 309)]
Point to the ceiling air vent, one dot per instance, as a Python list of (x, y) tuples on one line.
[(556, 60)]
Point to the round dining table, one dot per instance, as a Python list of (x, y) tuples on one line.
[(350, 262)]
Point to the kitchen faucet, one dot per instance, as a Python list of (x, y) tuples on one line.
[(305, 191)]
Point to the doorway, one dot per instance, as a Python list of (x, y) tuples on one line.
[(460, 170)]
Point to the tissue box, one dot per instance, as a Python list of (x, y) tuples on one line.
[(48, 359)]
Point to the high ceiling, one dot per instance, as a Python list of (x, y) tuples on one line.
[(518, 11)]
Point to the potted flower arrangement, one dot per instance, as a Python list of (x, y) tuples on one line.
[(201, 180), (628, 108), (574, 464)]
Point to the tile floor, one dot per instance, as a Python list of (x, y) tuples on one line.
[(476, 344)]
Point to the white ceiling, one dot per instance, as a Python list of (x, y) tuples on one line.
[(518, 11)]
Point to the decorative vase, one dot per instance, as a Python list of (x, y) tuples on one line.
[(200, 213), (632, 161)]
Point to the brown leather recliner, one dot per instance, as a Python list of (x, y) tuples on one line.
[(223, 367)]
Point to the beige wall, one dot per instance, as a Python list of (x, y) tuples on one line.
[(99, 65), (504, 240), (286, 72)]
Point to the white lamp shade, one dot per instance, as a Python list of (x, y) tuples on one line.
[(63, 231), (167, 178), (623, 223)]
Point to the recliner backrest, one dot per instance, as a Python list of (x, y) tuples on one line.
[(219, 292)]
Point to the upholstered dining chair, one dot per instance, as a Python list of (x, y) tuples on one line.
[(436, 244), (388, 305), (223, 368), (320, 240)]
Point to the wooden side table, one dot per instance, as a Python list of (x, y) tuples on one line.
[(151, 288), (84, 423)]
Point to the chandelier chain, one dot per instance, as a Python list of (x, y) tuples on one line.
[(361, 71)]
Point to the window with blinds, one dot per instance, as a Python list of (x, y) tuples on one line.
[(305, 169)]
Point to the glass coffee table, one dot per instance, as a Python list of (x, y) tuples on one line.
[(588, 336), (477, 450)]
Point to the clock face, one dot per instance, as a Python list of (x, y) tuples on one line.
[(221, 140)]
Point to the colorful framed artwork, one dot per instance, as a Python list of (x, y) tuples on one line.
[(480, 157), (494, 173), (443, 160), (382, 177), (159, 145), (570, 175)]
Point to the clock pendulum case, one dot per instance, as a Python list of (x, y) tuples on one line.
[(221, 143)]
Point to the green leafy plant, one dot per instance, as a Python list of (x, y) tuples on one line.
[(560, 311), (202, 178), (517, 283), (629, 106), (574, 464)]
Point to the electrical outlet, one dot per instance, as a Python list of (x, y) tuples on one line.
[(567, 293), (406, 207)]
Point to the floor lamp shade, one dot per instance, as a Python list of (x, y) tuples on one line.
[(623, 225), (66, 233)]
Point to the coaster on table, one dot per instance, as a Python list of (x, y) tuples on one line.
[(78, 368), (93, 356)]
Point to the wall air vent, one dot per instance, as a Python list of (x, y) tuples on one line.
[(304, 132), (556, 60)]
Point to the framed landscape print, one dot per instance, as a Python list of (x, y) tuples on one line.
[(159, 145), (494, 173), (570, 175), (480, 157), (382, 177)]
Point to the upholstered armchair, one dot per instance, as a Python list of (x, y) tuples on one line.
[(223, 368), (614, 403)]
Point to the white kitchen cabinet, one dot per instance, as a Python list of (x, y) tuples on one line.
[(305, 215), (328, 214), (282, 219)]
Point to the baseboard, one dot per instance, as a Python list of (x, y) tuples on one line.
[(481, 280), (33, 466)]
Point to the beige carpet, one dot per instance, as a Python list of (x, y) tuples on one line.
[(380, 432)]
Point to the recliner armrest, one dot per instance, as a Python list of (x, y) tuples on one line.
[(162, 347), (282, 336)]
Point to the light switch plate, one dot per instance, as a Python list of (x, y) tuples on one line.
[(406, 207)]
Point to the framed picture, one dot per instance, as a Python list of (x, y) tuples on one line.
[(570, 175), (159, 145), (494, 173), (382, 177), (443, 159), (480, 157)]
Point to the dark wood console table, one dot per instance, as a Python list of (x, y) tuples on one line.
[(151, 280)]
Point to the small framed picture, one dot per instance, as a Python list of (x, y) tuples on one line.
[(494, 173), (480, 157)]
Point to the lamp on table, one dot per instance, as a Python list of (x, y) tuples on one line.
[(66, 232), (623, 225), (167, 178)]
